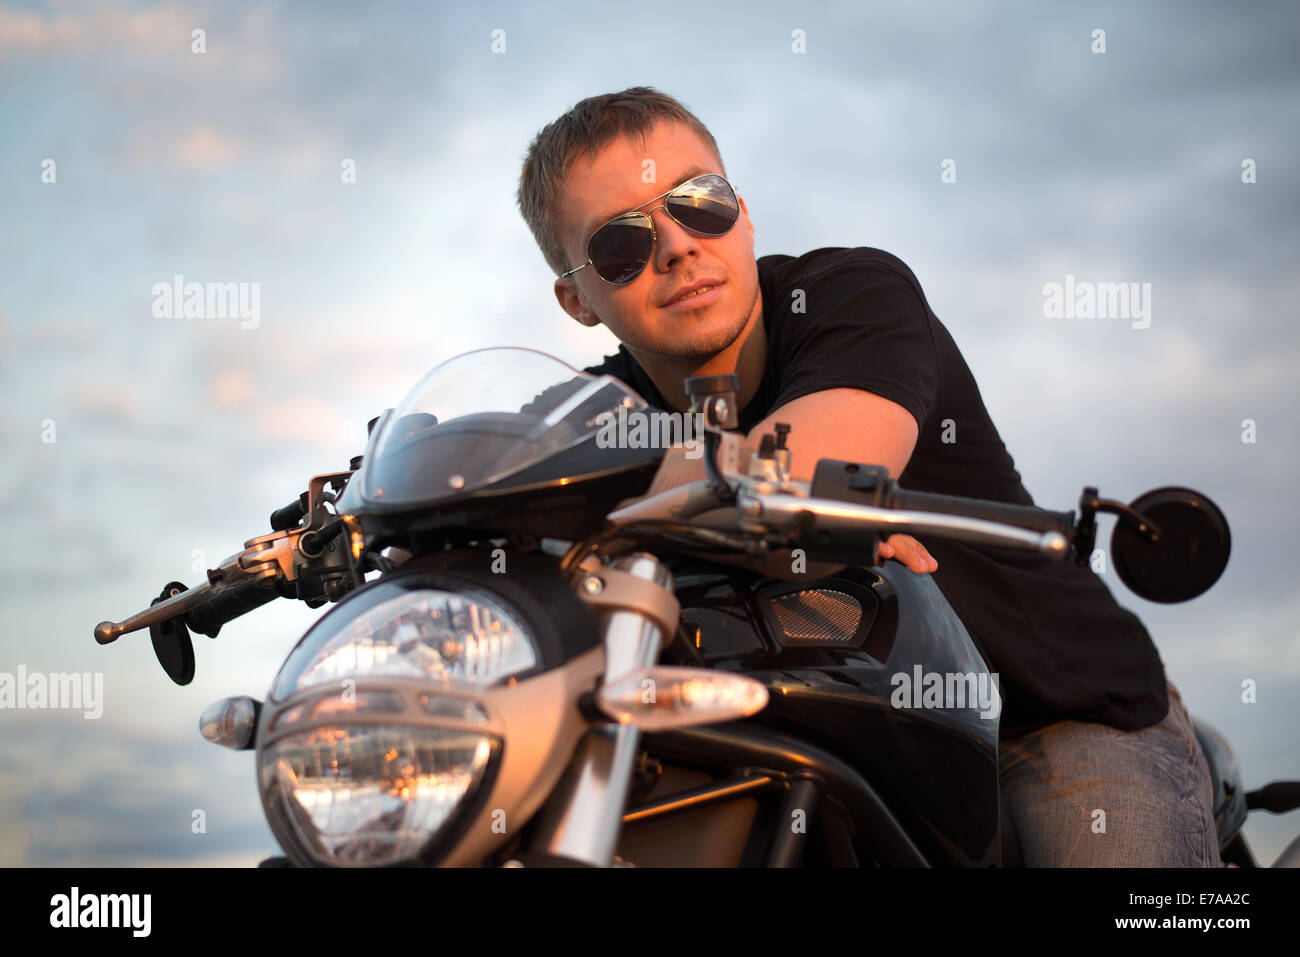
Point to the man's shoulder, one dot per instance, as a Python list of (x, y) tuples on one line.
[(836, 282), (833, 261)]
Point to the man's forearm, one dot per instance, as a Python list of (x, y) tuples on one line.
[(676, 469)]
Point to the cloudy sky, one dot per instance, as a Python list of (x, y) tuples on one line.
[(138, 448)]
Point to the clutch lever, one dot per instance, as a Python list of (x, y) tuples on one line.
[(271, 560)]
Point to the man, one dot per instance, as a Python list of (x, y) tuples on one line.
[(841, 344)]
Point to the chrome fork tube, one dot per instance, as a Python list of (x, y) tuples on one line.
[(584, 818)]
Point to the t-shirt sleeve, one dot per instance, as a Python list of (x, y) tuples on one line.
[(865, 326)]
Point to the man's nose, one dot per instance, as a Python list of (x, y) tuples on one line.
[(673, 241)]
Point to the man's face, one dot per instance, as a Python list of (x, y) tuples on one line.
[(644, 314)]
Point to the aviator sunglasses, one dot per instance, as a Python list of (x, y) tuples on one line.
[(620, 250)]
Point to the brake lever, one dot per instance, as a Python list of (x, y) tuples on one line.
[(264, 564), (275, 559)]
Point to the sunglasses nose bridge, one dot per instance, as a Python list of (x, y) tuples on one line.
[(668, 211), (662, 244)]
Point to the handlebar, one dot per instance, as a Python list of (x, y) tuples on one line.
[(298, 559), (847, 505), (207, 606), (1021, 516), (208, 617), (836, 529)]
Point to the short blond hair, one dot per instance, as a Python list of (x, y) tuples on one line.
[(589, 126)]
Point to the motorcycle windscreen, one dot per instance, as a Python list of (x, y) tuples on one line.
[(483, 416)]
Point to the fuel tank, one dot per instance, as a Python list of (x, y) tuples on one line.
[(875, 666)]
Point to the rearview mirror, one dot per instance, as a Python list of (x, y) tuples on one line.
[(171, 641), (1189, 554)]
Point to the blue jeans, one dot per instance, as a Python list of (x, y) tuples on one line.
[(1079, 794)]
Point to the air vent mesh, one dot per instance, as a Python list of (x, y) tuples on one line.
[(820, 614)]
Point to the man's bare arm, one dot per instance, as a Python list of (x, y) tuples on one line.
[(848, 424)]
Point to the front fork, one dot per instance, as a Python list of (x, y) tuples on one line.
[(583, 819)]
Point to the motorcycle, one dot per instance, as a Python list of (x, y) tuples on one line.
[(526, 664)]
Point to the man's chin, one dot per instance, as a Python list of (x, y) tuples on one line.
[(697, 345), (693, 336)]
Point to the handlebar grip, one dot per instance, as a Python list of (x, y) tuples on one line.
[(225, 606), (1278, 797), (1022, 516)]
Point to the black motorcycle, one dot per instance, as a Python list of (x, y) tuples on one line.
[(519, 673)]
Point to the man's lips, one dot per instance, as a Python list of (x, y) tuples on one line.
[(696, 294)]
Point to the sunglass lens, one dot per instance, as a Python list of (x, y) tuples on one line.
[(707, 204), (621, 249)]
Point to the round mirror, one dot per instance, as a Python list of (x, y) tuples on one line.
[(1190, 555), (171, 641)]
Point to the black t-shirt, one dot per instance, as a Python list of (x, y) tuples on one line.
[(857, 318)]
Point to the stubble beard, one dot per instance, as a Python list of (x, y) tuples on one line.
[(699, 350)]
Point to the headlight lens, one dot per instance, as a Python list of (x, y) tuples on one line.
[(421, 633), (369, 795), (359, 767)]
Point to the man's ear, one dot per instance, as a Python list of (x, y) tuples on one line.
[(571, 301), (749, 223)]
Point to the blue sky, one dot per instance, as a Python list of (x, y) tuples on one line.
[(178, 436)]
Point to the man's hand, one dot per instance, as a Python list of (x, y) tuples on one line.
[(909, 551)]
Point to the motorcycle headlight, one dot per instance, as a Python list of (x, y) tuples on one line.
[(373, 741)]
